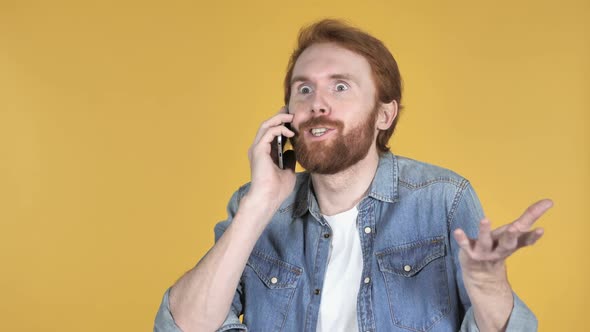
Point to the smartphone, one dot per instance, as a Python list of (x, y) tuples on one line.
[(280, 144)]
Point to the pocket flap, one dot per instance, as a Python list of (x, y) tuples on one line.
[(273, 272), (408, 259)]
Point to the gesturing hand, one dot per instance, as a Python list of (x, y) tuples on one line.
[(482, 262), (489, 251)]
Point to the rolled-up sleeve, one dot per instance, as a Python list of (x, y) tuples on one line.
[(521, 319), (232, 324), (165, 322)]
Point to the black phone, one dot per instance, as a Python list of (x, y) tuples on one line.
[(281, 143)]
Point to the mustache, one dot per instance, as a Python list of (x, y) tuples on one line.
[(320, 122)]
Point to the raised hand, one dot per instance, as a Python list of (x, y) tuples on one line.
[(489, 251), (270, 183), (483, 264)]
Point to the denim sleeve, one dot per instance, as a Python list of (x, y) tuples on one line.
[(521, 319), (164, 321), (466, 214)]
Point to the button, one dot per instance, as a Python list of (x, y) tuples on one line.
[(368, 230), (407, 268), (317, 291), (327, 235), (367, 280), (274, 280)]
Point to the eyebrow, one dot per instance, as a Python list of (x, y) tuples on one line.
[(333, 77)]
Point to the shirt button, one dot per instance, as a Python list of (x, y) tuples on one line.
[(274, 280), (407, 268), (368, 230), (317, 291), (367, 280), (327, 235)]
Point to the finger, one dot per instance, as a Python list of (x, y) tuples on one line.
[(264, 144), (532, 213), (273, 132), (496, 233), (275, 121), (530, 238), (463, 240), (508, 241), (484, 239)]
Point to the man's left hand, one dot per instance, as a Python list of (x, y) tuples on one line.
[(484, 257), (483, 263)]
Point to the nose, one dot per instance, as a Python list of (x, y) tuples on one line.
[(319, 105)]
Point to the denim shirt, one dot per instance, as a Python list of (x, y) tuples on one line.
[(411, 277)]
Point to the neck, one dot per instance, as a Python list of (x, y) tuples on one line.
[(342, 191)]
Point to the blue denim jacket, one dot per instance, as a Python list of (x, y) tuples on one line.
[(409, 257)]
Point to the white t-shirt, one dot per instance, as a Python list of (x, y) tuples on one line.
[(343, 275)]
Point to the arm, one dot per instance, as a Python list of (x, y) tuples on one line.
[(482, 265), (201, 299)]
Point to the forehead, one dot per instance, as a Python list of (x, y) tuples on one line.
[(327, 59)]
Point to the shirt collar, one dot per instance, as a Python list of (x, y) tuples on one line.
[(384, 187)]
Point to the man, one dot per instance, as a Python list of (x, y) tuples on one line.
[(362, 241)]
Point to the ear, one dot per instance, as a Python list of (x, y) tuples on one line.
[(386, 115)]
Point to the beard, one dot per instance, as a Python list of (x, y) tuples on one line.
[(338, 153)]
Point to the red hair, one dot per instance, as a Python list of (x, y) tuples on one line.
[(383, 66)]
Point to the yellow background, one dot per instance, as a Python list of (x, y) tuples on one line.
[(124, 127)]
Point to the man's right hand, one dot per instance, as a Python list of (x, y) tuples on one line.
[(269, 183)]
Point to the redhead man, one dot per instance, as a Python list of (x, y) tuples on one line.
[(363, 240)]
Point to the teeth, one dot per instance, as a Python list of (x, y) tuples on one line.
[(318, 131)]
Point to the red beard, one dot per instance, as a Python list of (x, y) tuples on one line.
[(338, 153)]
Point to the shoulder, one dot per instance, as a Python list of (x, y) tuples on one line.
[(423, 184), (416, 174)]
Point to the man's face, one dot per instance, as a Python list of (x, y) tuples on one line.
[(333, 100)]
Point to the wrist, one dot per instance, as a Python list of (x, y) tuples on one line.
[(492, 311), (490, 284), (492, 300), (489, 290), (257, 207), (500, 290)]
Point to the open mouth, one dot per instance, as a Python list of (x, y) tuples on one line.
[(319, 132)]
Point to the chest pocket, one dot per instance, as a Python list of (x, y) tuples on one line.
[(268, 285), (416, 280)]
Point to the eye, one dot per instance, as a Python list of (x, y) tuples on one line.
[(341, 87), (304, 89)]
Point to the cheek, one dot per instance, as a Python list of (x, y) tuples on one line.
[(297, 120), (298, 109), (296, 103)]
